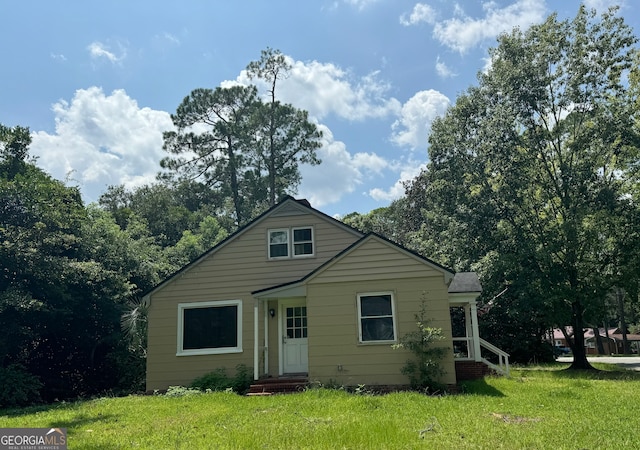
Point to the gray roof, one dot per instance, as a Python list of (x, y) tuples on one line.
[(465, 282)]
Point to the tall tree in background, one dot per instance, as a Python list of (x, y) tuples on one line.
[(287, 137), (213, 141), (530, 165)]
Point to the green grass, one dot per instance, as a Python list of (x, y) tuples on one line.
[(543, 408)]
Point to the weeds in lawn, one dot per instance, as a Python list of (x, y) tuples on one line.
[(526, 411)]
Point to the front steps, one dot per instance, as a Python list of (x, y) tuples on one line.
[(281, 385)]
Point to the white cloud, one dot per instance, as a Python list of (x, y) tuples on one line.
[(443, 70), (421, 13), (324, 89), (98, 50), (101, 140), (58, 56), (407, 173), (340, 172), (462, 32), (603, 5), (360, 4), (163, 41), (413, 126)]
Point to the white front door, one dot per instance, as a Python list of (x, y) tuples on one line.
[(295, 356)]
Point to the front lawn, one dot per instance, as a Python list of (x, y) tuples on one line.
[(537, 409)]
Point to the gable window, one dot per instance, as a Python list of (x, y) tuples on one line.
[(291, 242), (376, 317), (278, 243), (302, 241), (209, 327)]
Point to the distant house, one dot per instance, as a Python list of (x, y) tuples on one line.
[(612, 340), (296, 292)]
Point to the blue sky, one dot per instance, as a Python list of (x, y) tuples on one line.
[(96, 81)]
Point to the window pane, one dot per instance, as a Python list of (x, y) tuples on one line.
[(303, 249), (278, 244), (275, 251), (278, 237), (303, 242), (302, 235), (296, 323), (213, 327), (380, 329), (378, 305)]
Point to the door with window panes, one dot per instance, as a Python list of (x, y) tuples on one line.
[(295, 356)]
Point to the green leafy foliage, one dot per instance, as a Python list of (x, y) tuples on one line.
[(529, 170), (425, 368), (18, 387), (218, 380)]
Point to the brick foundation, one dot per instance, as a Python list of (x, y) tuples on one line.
[(471, 370)]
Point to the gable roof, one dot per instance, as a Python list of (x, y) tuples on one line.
[(287, 206), (295, 285)]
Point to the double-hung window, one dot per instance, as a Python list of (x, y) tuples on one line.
[(209, 327), (376, 317), (291, 242)]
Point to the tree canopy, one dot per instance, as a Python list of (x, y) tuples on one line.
[(530, 169), (233, 142)]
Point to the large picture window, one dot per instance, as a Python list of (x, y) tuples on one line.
[(291, 243), (376, 317), (210, 327)]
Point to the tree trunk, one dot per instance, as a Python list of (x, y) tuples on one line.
[(580, 361), (233, 179), (606, 333), (596, 334), (623, 323)]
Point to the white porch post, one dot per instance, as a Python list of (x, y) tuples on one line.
[(266, 339), (468, 330), (256, 357), (475, 331)]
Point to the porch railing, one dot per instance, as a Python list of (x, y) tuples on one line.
[(503, 358), (463, 349)]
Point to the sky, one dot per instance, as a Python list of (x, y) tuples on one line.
[(96, 82)]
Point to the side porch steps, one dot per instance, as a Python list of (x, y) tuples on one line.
[(280, 385)]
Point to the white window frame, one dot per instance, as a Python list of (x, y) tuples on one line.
[(209, 351), (290, 233), (279, 230), (393, 317), (293, 243)]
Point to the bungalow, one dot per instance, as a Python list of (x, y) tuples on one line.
[(298, 292)]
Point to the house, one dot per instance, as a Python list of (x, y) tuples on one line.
[(298, 292), (612, 340)]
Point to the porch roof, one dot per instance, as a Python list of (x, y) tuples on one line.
[(465, 282)]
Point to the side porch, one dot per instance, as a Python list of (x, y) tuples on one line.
[(474, 357)]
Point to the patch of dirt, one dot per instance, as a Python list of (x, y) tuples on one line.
[(508, 418)]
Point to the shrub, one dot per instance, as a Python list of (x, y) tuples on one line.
[(218, 380), (18, 387), (425, 368)]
